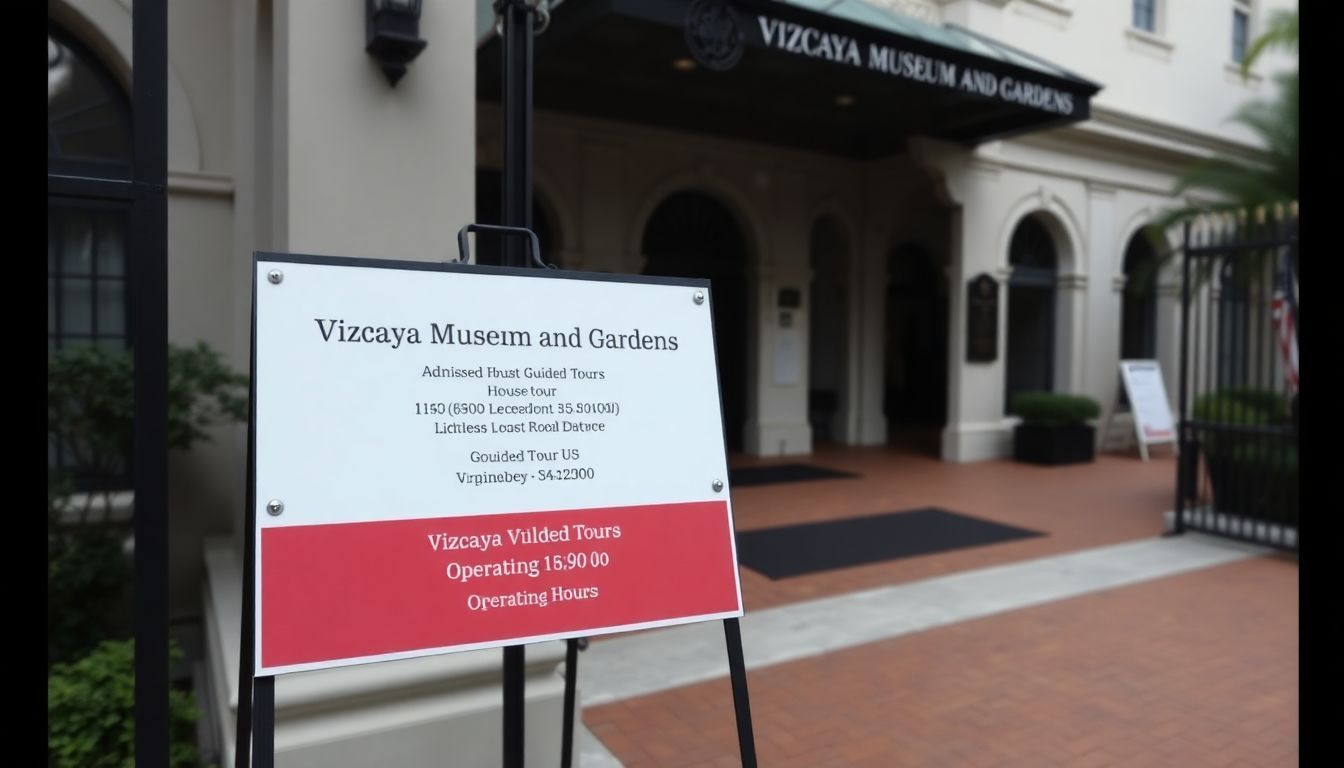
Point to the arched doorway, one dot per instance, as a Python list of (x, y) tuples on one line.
[(828, 333), (489, 204), (1031, 310), (1138, 306), (690, 234), (916, 359)]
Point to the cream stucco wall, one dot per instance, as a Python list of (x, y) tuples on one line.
[(602, 179), (1092, 201), (1181, 76), (368, 169)]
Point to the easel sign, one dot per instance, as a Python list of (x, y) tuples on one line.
[(1148, 403), (451, 457)]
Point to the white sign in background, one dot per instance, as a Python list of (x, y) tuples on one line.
[(1148, 402)]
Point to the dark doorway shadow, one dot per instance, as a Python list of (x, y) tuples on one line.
[(690, 234)]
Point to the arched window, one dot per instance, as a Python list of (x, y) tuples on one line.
[(88, 144), (1031, 310), (1138, 306), (89, 136)]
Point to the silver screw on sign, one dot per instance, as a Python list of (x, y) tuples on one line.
[(275, 276), (699, 297), (275, 507), (717, 485)]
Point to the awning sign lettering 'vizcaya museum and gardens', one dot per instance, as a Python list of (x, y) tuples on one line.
[(840, 48)]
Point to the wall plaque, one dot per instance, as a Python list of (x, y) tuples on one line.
[(982, 319)]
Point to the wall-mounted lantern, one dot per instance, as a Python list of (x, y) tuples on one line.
[(392, 32)]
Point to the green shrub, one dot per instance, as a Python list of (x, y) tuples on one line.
[(1253, 473), (1054, 408), (87, 577), (91, 405), (91, 712), (1241, 405), (90, 672), (90, 415)]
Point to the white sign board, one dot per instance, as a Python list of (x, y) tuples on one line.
[(452, 457), (1148, 403), (788, 357)]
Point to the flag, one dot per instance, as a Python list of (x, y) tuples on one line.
[(1284, 311)]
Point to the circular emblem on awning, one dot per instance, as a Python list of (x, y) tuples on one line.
[(712, 34)]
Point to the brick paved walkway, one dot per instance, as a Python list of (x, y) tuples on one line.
[(1192, 670), (1198, 669), (1114, 499)]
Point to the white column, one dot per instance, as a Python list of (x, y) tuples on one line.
[(369, 169), (1072, 353), (976, 428), (1100, 370), (869, 327), (777, 414)]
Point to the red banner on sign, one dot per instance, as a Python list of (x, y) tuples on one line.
[(353, 590)]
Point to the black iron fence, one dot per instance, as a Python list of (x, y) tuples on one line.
[(1238, 468)]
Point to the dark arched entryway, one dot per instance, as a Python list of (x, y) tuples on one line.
[(690, 234), (1031, 310), (916, 359), (1138, 308)]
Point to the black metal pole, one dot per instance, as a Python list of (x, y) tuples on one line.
[(149, 324), (517, 212), (1187, 455), (737, 670), (571, 685), (517, 101), (263, 712), (247, 639)]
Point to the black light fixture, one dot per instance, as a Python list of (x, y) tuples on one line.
[(392, 32)]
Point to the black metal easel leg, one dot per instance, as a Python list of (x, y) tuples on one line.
[(263, 724), (242, 724), (513, 706), (516, 20), (247, 650), (243, 717), (737, 669), (571, 683)]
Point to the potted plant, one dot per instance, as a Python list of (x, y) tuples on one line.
[(1249, 442), (1055, 428)]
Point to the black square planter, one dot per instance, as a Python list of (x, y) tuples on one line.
[(1051, 445)]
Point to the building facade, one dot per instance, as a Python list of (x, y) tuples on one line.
[(842, 206)]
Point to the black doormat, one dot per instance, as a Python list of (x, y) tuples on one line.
[(781, 473), (793, 550)]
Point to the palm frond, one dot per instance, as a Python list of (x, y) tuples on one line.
[(1280, 32)]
